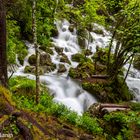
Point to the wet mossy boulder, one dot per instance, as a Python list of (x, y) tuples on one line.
[(82, 36), (32, 60), (29, 69), (79, 57), (136, 62), (62, 68), (87, 52), (54, 32), (59, 50), (101, 56), (46, 49), (71, 28), (32, 70), (22, 55), (42, 69), (98, 31), (45, 59), (64, 59), (82, 71), (109, 91)]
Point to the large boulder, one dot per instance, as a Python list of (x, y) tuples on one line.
[(45, 59)]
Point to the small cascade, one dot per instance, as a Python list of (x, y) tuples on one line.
[(133, 82)]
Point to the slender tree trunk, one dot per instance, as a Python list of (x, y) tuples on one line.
[(36, 50), (128, 69), (3, 55)]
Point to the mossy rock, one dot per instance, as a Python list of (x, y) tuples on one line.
[(71, 28), (101, 56), (32, 70), (22, 55), (82, 71), (136, 62), (111, 91), (98, 31), (62, 68), (78, 57), (45, 59), (87, 52), (46, 49), (32, 60), (82, 35), (49, 68), (58, 50), (64, 59), (54, 32)]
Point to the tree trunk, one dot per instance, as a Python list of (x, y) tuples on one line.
[(3, 56), (36, 50)]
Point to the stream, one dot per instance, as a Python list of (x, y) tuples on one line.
[(63, 88)]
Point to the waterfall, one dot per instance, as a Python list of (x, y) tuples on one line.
[(64, 89)]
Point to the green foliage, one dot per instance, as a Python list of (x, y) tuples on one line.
[(22, 86), (80, 58), (15, 46), (118, 124), (83, 70), (90, 124), (46, 105)]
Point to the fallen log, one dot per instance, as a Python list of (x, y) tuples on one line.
[(99, 109), (113, 106)]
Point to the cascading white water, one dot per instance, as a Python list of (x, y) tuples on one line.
[(133, 82), (63, 88)]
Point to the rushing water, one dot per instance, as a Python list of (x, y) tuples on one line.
[(63, 88)]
